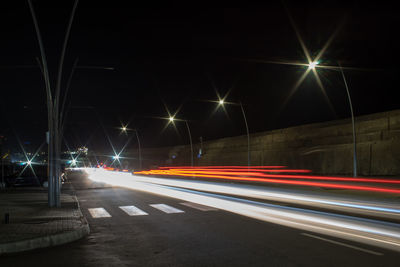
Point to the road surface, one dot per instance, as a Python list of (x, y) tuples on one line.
[(134, 228)]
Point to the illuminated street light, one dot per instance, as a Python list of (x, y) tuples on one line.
[(29, 162), (73, 162), (221, 103), (140, 153), (125, 129), (172, 119), (312, 65), (116, 157)]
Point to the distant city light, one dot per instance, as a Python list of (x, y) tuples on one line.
[(73, 161), (116, 157), (123, 129), (221, 101), (29, 162), (312, 65), (171, 119)]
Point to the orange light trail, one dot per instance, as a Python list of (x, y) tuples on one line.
[(224, 167), (237, 170), (239, 173), (227, 174), (367, 231)]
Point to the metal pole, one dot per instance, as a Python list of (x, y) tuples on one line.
[(140, 152), (57, 124), (62, 111), (353, 125), (248, 135), (49, 108), (190, 139), (2, 173), (3, 184)]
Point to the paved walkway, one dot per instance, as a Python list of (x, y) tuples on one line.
[(32, 224)]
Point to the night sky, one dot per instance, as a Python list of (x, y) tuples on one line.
[(178, 57)]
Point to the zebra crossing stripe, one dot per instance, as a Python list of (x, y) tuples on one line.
[(133, 211), (99, 213), (165, 208), (197, 206)]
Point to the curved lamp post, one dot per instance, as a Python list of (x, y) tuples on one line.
[(172, 119), (221, 102), (352, 122), (124, 129)]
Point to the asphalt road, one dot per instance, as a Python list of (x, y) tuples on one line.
[(190, 237)]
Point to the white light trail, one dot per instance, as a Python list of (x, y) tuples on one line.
[(379, 209), (372, 232)]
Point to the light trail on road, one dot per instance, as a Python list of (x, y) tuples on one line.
[(372, 232), (261, 174), (379, 209)]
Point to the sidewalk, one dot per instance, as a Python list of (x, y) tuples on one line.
[(32, 224)]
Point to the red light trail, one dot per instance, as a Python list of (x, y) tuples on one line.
[(267, 174)]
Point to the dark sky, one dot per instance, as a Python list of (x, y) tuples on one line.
[(175, 57)]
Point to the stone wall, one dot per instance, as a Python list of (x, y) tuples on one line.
[(325, 148)]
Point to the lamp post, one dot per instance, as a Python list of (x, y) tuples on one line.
[(2, 185), (139, 148), (172, 119), (221, 102), (124, 129), (352, 122), (51, 189), (312, 66)]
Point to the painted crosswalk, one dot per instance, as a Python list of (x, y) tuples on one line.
[(165, 208), (99, 213), (131, 210)]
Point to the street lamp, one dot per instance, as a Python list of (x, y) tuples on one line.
[(125, 129), (353, 124), (221, 103), (312, 65), (172, 119), (140, 152)]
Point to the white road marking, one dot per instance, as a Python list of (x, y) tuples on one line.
[(198, 206), (99, 213), (166, 208), (133, 211), (344, 244)]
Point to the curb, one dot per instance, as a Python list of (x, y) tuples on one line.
[(49, 240)]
